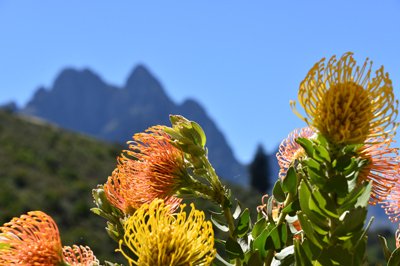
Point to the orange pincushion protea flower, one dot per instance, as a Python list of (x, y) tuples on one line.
[(290, 150), (79, 256), (151, 168), (383, 169), (31, 239)]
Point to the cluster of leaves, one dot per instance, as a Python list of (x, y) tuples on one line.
[(333, 205)]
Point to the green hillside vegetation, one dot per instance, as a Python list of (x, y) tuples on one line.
[(46, 168), (43, 167)]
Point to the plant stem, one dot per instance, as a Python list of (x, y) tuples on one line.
[(281, 219)]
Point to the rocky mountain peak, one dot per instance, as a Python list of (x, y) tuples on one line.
[(80, 100)]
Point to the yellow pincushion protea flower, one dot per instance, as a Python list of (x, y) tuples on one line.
[(151, 168), (31, 239), (161, 238), (345, 104)]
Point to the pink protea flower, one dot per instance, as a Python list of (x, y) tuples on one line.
[(79, 256), (383, 169), (151, 168), (290, 150)]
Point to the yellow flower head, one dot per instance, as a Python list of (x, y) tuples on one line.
[(31, 239), (79, 256), (151, 168), (345, 104), (382, 170), (161, 238), (290, 150)]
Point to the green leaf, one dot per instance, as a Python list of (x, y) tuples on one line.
[(335, 255), (342, 162), (174, 134), (385, 247), (233, 249), (307, 145), (363, 199), (351, 221), (337, 184), (243, 223), (100, 199), (201, 136), (221, 262), (308, 229), (358, 197), (323, 204), (177, 119), (294, 206), (195, 150), (322, 153), (238, 211), (317, 177), (359, 257), (255, 259), (311, 163), (300, 254), (277, 191), (289, 183), (277, 237), (258, 228), (394, 259), (304, 198), (259, 242), (322, 140), (220, 226)]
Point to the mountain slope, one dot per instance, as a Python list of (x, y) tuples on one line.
[(81, 101), (45, 168)]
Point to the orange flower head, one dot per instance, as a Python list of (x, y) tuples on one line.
[(397, 238), (151, 168), (79, 256), (290, 150), (382, 170), (31, 239)]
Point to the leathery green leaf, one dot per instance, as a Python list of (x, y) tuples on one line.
[(289, 183), (278, 192), (243, 223), (233, 249)]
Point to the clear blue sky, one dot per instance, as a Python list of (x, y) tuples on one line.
[(242, 60)]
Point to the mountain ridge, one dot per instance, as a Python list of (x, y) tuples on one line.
[(82, 101)]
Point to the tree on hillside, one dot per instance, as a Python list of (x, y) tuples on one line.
[(259, 170)]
